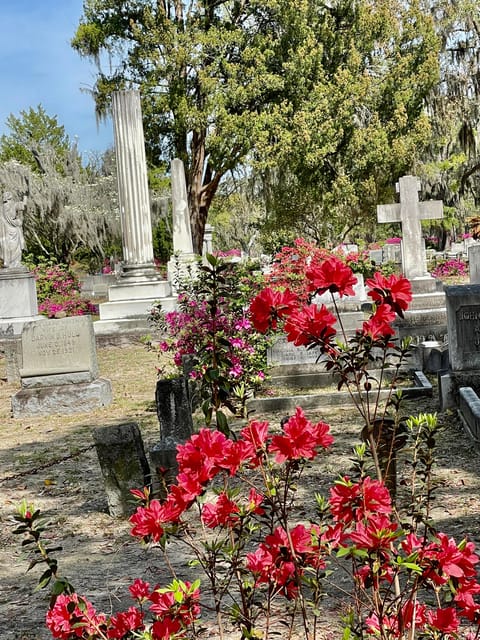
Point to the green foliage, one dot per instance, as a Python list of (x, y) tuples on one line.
[(32, 132), (325, 99)]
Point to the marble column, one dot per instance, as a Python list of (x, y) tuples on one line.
[(132, 186)]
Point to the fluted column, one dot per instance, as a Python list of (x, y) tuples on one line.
[(132, 186)]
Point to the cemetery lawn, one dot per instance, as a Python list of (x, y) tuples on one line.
[(51, 462)]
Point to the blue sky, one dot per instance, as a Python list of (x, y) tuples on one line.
[(38, 66)]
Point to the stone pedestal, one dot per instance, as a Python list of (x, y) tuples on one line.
[(18, 301), (18, 305)]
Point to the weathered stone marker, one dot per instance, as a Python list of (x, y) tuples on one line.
[(409, 212), (59, 372), (123, 463), (174, 413)]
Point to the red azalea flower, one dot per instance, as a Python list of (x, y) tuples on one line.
[(310, 325), (148, 521), (464, 599), (224, 513), (66, 620), (203, 454), (354, 501), (300, 439), (140, 590), (255, 438), (124, 622), (269, 306), (393, 290), (165, 628), (332, 275), (378, 326), (376, 535), (445, 620)]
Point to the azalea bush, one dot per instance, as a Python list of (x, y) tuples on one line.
[(58, 291), (450, 267), (211, 327), (232, 505)]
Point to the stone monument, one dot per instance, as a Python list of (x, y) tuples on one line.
[(139, 285), (184, 259), (426, 318), (59, 373), (18, 294)]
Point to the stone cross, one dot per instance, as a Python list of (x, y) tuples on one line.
[(182, 234), (410, 212), (132, 186)]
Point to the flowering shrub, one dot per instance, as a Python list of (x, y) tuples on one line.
[(58, 292), (290, 264), (360, 262), (408, 581), (449, 268), (212, 327)]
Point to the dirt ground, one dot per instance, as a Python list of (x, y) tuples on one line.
[(52, 463)]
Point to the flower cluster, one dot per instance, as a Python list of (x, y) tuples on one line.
[(209, 453), (449, 268), (406, 584), (173, 608), (312, 325), (382, 553), (58, 292), (211, 326)]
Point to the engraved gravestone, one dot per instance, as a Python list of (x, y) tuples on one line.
[(463, 319), (58, 347), (60, 372)]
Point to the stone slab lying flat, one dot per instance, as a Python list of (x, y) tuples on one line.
[(469, 410), (422, 388), (62, 399)]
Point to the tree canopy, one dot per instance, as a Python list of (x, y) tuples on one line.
[(325, 98)]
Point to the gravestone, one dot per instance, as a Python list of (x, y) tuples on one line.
[(426, 318), (463, 317), (376, 256), (123, 463), (392, 253), (174, 412), (59, 372), (474, 263), (410, 212), (460, 387)]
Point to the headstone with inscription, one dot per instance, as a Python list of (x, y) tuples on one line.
[(59, 372), (463, 318)]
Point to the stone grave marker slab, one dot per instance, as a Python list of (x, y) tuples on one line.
[(463, 319), (60, 346)]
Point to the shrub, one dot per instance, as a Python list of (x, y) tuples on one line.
[(449, 268), (58, 291)]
